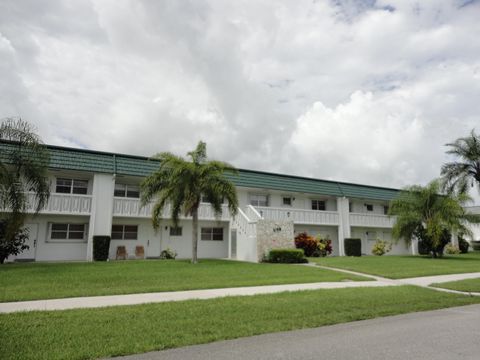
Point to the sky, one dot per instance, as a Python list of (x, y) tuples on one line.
[(358, 91)]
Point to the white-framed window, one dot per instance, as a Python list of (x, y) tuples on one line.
[(350, 206), (212, 234), (318, 204), (175, 231), (124, 232), (369, 207), (67, 231), (385, 209), (287, 200), (259, 199), (71, 186), (123, 190)]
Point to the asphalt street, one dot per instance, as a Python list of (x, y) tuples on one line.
[(446, 334)]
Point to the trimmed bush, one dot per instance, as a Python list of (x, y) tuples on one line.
[(353, 247), (381, 247), (463, 245), (286, 256), (168, 254), (423, 249), (451, 249), (101, 245), (306, 242)]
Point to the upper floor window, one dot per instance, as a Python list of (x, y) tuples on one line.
[(205, 199), (71, 186), (369, 207), (287, 201), (318, 205), (386, 208), (124, 232), (123, 190), (350, 206), (259, 199), (67, 231)]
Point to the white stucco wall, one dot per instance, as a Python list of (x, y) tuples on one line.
[(369, 235)]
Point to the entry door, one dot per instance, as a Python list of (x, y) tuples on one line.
[(153, 246), (233, 248), (29, 254)]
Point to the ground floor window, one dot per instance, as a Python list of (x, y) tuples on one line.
[(124, 232), (175, 231), (68, 231), (212, 233)]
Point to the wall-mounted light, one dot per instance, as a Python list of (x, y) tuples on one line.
[(288, 213)]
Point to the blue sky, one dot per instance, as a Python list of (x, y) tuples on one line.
[(360, 91)]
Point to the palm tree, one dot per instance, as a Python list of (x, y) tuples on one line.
[(182, 183), (23, 167), (460, 174), (427, 214)]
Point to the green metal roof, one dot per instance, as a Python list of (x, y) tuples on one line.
[(121, 164)]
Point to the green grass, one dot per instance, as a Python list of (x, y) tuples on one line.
[(114, 331), (398, 267), (469, 285), (29, 281)]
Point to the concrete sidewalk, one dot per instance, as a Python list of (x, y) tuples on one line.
[(135, 299)]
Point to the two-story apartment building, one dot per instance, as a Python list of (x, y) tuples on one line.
[(97, 193)]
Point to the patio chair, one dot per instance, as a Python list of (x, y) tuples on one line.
[(139, 252), (121, 253)]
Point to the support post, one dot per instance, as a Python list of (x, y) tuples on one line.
[(344, 223)]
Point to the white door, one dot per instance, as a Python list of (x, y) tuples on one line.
[(29, 254), (153, 246)]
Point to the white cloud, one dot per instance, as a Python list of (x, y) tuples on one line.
[(360, 91)]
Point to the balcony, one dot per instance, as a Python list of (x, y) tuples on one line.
[(299, 216), (127, 207), (371, 220), (65, 204)]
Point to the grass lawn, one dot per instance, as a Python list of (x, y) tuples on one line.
[(470, 285), (95, 333), (398, 267), (28, 281)]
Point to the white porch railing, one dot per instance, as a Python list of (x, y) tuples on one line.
[(252, 213), (371, 220), (127, 207), (68, 204), (299, 216)]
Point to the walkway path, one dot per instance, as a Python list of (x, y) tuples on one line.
[(135, 299)]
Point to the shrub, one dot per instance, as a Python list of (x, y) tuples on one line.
[(286, 256), (13, 244), (101, 246), (463, 245), (168, 254), (307, 243), (423, 248), (381, 247), (353, 247), (451, 249), (324, 247)]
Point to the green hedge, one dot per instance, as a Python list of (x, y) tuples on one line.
[(286, 256), (353, 247), (101, 245), (476, 245)]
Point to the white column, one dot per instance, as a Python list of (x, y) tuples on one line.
[(344, 223), (102, 209), (414, 245), (229, 229), (454, 238)]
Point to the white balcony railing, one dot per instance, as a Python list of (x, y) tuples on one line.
[(68, 204), (299, 216), (371, 220), (126, 207)]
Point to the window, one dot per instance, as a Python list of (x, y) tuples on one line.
[(175, 231), (369, 207), (287, 201), (122, 190), (259, 200), (385, 209), (205, 199), (124, 232), (67, 231), (350, 206), (215, 234), (71, 186), (318, 205)]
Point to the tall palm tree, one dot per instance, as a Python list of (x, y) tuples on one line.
[(23, 167), (458, 175), (426, 213), (181, 183)]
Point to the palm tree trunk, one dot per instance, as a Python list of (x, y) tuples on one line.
[(194, 235)]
